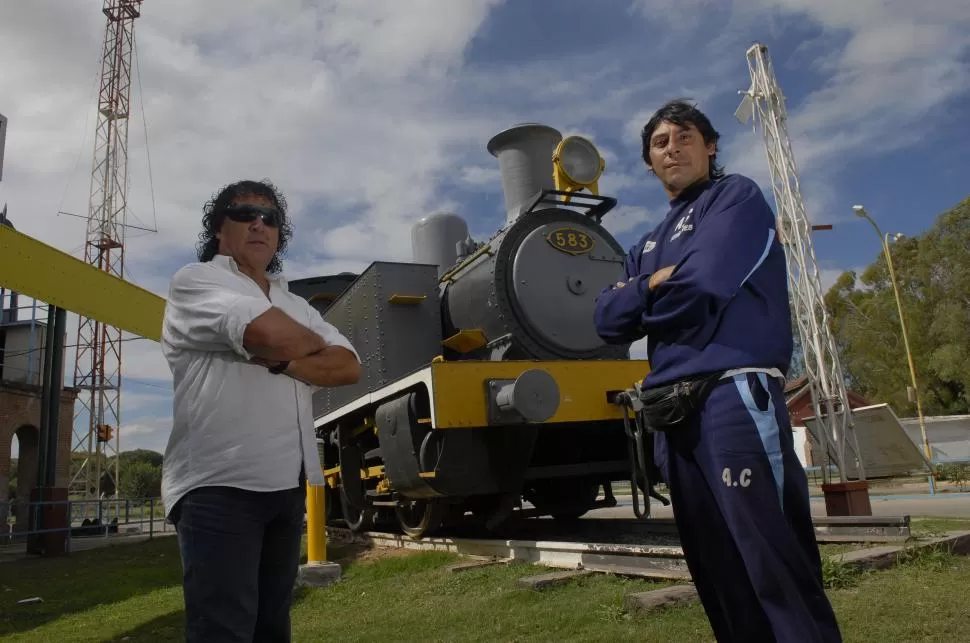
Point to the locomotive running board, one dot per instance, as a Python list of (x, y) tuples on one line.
[(459, 400)]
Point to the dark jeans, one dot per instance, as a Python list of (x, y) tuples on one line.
[(240, 553)]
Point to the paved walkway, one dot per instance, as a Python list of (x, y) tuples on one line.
[(18, 551), (945, 505)]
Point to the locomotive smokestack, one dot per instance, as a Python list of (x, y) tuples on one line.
[(524, 154)]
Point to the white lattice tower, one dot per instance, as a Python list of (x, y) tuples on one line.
[(765, 101), (97, 370)]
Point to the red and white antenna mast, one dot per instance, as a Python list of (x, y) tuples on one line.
[(97, 370)]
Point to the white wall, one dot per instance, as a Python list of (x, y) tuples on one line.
[(948, 435), (23, 358)]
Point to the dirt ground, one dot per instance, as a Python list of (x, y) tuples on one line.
[(343, 553)]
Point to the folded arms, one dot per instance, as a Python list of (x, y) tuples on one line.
[(205, 312), (729, 244)]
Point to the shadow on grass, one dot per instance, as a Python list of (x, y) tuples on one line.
[(84, 580), (95, 578), (168, 627), (171, 626)]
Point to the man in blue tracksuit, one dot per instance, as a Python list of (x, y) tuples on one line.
[(708, 288)]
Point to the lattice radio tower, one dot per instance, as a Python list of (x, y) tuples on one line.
[(97, 370), (764, 101)]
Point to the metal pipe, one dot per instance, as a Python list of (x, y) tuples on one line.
[(47, 383), (861, 212), (56, 350)]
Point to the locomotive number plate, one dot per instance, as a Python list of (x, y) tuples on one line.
[(570, 240)]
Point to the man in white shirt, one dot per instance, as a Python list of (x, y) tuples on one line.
[(246, 356)]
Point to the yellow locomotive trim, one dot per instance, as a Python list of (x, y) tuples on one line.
[(332, 475), (457, 390), (459, 398), (406, 299), (465, 341)]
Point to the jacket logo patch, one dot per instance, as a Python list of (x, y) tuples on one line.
[(682, 227), (648, 246)]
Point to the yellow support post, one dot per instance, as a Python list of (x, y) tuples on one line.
[(318, 571), (316, 530)]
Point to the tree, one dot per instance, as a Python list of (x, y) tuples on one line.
[(140, 479), (933, 276), (153, 458), (140, 471)]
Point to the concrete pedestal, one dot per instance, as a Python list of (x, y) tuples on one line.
[(318, 574)]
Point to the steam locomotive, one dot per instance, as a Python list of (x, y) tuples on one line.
[(484, 385)]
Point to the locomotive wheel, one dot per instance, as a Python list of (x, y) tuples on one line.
[(330, 496), (419, 518), (357, 518), (565, 499)]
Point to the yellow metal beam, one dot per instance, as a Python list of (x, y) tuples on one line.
[(38, 270)]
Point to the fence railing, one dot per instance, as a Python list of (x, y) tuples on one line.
[(63, 526)]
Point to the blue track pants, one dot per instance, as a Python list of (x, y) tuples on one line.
[(740, 500)]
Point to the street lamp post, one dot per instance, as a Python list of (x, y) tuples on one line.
[(884, 239)]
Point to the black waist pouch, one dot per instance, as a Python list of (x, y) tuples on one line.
[(672, 406)]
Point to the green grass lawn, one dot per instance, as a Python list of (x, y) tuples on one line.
[(132, 593)]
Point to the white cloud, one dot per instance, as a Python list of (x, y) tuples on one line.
[(677, 16), (624, 218), (145, 433), (827, 278), (478, 176)]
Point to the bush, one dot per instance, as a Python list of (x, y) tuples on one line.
[(956, 472)]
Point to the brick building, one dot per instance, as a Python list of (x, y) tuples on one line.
[(20, 404)]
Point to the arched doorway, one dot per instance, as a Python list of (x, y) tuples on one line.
[(23, 475)]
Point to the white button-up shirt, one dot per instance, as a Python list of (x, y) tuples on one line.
[(234, 423)]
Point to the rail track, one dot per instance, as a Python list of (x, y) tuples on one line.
[(622, 546)]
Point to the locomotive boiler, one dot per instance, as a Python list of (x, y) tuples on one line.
[(485, 392)]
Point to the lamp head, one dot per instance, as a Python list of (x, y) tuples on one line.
[(859, 211), (578, 161), (577, 164)]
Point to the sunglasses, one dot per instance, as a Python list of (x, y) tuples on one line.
[(247, 213)]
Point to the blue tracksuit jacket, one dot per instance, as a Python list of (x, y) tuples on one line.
[(726, 304)]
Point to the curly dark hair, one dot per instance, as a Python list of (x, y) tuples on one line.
[(214, 213), (682, 113)]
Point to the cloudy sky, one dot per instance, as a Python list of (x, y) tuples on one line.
[(369, 115)]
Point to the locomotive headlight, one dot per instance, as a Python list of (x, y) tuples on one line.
[(577, 164)]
